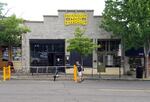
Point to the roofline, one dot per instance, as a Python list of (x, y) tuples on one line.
[(27, 21), (76, 10), (50, 15)]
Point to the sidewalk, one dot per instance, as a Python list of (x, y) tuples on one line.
[(62, 76), (20, 76)]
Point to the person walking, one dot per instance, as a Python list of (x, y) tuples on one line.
[(80, 69)]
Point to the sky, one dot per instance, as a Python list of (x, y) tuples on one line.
[(35, 9)]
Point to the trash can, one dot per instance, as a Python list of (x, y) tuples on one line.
[(101, 68), (139, 72)]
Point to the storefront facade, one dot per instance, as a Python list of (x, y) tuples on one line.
[(47, 41)]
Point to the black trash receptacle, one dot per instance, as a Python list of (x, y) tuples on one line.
[(139, 72)]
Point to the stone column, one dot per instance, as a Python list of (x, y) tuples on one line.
[(95, 55)]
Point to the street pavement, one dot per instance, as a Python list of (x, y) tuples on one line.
[(69, 91)]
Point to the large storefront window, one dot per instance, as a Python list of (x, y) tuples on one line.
[(16, 53), (47, 52), (108, 53), (11, 54), (5, 55)]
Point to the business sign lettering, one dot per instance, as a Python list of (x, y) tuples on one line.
[(75, 19)]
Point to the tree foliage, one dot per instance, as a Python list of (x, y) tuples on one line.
[(130, 20), (11, 29), (81, 44)]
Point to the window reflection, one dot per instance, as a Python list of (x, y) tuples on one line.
[(44, 52), (108, 52), (16, 53), (5, 56)]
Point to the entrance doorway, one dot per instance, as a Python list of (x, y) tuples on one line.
[(56, 59)]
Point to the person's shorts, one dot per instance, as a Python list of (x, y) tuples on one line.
[(79, 74)]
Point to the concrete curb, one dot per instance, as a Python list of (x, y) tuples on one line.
[(70, 78)]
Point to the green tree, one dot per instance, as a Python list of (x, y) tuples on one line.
[(11, 29), (129, 20), (81, 44)]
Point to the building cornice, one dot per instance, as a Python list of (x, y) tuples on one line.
[(26, 21), (50, 16), (76, 10)]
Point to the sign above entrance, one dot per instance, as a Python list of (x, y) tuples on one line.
[(75, 19)]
